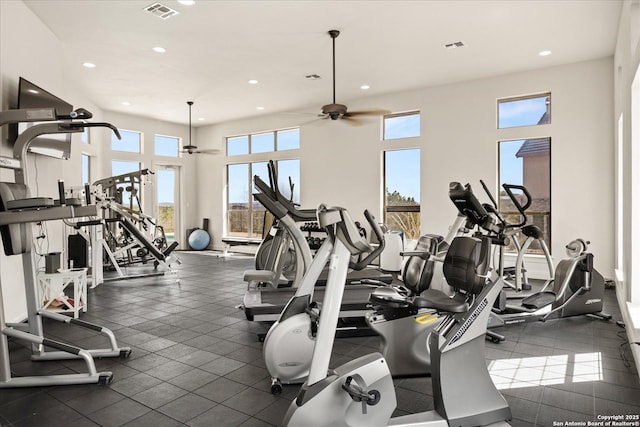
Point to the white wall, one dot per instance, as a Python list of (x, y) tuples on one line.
[(627, 170), (341, 164)]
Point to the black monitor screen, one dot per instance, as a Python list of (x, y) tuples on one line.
[(32, 96)]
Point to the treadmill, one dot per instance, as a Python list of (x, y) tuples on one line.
[(265, 303)]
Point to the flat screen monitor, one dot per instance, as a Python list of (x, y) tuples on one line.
[(33, 96)]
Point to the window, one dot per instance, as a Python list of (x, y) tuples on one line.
[(245, 216), (166, 146), (130, 196), (86, 171), (524, 111), (288, 139), (264, 142), (402, 125), (130, 141), (402, 191), (84, 136), (527, 163)]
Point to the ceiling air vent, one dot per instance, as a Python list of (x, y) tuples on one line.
[(161, 11), (454, 45)]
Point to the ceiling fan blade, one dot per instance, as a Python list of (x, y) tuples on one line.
[(367, 113), (352, 121), (207, 151)]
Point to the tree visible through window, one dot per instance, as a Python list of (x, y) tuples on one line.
[(402, 191)]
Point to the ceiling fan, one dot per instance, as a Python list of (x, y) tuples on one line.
[(339, 111), (190, 148)]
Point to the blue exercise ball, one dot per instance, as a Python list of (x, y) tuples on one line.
[(199, 240)]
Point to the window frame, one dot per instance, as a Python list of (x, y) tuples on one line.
[(386, 209), (401, 114), (523, 98), (530, 214), (140, 141), (250, 136), (178, 146), (251, 234)]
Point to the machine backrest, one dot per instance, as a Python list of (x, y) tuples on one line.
[(466, 265), (417, 272), (15, 238)]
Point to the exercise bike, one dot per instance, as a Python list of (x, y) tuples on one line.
[(361, 392)]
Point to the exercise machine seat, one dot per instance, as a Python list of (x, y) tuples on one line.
[(532, 231), (466, 265), (14, 237), (418, 270), (440, 301)]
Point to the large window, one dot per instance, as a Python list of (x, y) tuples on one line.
[(524, 111), (401, 125), (264, 142), (527, 163), (402, 191), (130, 142), (166, 146), (245, 216)]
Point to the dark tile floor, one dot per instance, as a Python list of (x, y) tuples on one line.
[(196, 361)]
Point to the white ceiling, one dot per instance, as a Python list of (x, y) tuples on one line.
[(215, 47)]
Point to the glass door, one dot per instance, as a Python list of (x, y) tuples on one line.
[(167, 200)]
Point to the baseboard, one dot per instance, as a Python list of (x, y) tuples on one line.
[(631, 318)]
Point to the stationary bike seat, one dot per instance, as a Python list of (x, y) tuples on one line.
[(433, 298)]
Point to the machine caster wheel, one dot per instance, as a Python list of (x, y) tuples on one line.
[(125, 353), (105, 379), (495, 340), (276, 388)]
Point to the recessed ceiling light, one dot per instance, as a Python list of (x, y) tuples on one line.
[(365, 87), (125, 103), (89, 65), (187, 2), (201, 118), (159, 49), (544, 53), (260, 108), (253, 82)]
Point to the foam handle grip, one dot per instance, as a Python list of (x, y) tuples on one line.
[(87, 194), (63, 199)]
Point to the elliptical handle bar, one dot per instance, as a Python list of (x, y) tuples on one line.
[(508, 188), (375, 227), (486, 190)]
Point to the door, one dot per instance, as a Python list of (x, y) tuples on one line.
[(167, 200)]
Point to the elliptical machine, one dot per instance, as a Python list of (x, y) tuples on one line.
[(361, 392)]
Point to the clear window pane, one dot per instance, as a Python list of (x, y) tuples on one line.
[(402, 191), (238, 200), (84, 137), (130, 141), (238, 145), (85, 169), (289, 169), (262, 142), (288, 139), (402, 126), (130, 199), (166, 146), (166, 183), (258, 211), (527, 163), (524, 111)]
